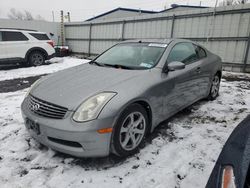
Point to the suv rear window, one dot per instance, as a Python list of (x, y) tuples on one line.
[(13, 36), (40, 36)]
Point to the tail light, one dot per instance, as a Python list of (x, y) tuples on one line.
[(51, 43), (228, 179)]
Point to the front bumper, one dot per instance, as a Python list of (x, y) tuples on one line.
[(68, 136)]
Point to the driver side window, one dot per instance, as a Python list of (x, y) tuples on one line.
[(183, 52)]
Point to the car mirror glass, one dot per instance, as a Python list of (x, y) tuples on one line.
[(175, 65)]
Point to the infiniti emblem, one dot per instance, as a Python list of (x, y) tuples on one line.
[(35, 107)]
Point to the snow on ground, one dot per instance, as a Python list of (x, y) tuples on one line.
[(180, 153), (56, 65)]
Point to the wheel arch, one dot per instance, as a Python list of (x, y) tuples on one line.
[(145, 104), (36, 49), (219, 72)]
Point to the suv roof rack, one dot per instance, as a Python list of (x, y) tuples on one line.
[(19, 29)]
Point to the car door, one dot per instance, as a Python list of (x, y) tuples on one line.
[(185, 82), (3, 52), (15, 44), (205, 70)]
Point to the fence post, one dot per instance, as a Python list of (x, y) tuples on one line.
[(90, 31), (172, 26), (122, 32), (246, 54)]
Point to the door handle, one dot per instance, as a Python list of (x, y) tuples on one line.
[(198, 70)]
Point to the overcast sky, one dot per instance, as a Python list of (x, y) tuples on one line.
[(83, 9)]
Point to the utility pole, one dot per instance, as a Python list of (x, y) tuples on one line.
[(53, 16), (68, 17), (62, 28)]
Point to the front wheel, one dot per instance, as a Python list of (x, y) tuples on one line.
[(215, 86), (36, 58), (129, 131)]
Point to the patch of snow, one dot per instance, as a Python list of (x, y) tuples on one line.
[(57, 64), (180, 153)]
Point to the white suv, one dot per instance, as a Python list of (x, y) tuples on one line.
[(25, 46)]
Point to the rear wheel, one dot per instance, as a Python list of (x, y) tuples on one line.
[(215, 86), (36, 58), (130, 130)]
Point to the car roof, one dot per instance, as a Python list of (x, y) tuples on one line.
[(21, 30), (165, 41)]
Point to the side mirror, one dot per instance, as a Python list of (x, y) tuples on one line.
[(175, 65)]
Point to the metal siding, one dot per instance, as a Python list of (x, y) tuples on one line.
[(78, 46), (220, 26), (77, 32), (98, 47)]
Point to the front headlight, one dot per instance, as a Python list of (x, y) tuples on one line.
[(91, 108), (32, 86)]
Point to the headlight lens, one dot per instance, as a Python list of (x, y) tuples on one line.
[(91, 108), (34, 84)]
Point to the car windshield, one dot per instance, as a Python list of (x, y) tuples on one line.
[(132, 55)]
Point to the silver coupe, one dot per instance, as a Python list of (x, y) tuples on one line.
[(111, 103)]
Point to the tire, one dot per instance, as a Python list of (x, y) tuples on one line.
[(127, 136), (215, 86), (36, 58)]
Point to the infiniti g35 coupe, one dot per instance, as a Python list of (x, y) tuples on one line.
[(110, 104)]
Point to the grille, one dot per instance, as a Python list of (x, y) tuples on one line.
[(46, 109)]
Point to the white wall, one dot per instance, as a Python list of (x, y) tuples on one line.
[(48, 27)]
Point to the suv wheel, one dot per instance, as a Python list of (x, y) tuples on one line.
[(36, 58), (129, 131)]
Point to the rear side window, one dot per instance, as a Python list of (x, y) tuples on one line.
[(0, 36), (13, 36), (200, 52), (40, 36), (183, 52)]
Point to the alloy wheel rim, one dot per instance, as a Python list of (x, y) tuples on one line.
[(132, 131), (37, 59), (215, 86)]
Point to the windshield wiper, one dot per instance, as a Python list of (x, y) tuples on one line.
[(118, 66), (96, 63)]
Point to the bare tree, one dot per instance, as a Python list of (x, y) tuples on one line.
[(26, 15), (232, 2), (15, 15), (240, 1), (39, 17)]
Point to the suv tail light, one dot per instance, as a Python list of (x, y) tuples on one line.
[(51, 43)]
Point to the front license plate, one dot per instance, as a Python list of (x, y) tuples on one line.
[(33, 126)]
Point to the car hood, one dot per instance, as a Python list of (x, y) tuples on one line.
[(70, 87)]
